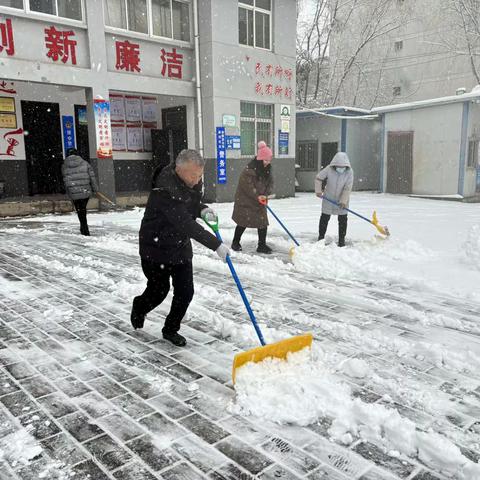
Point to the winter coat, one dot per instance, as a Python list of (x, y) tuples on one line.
[(79, 178), (169, 221), (339, 185), (247, 211)]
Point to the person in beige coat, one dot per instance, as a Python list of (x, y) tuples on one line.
[(254, 187), (339, 181)]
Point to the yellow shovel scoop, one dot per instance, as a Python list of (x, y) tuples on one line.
[(279, 349)]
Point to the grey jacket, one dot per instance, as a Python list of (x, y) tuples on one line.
[(79, 178), (339, 185)]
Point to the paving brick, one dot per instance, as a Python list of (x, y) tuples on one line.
[(132, 406), (39, 425), (108, 452), (204, 428), (156, 458), (81, 427), (18, 403), (134, 471), (57, 404)]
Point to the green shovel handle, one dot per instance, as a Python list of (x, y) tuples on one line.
[(212, 225)]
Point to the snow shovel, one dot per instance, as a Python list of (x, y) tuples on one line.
[(374, 221), (105, 199), (279, 349), (292, 250)]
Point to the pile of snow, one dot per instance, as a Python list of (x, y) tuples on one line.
[(472, 247), (19, 448), (302, 391)]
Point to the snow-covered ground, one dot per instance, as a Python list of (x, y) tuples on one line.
[(390, 389)]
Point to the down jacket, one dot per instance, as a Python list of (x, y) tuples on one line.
[(339, 185), (247, 211), (170, 222), (79, 178)]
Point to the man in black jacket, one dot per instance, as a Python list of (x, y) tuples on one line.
[(168, 225)]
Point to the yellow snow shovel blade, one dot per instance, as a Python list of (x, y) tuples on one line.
[(382, 230), (279, 349)]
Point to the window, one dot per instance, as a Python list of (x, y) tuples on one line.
[(397, 91), (398, 46), (11, 3), (307, 155), (256, 124), (254, 23), (169, 18), (472, 154), (62, 8)]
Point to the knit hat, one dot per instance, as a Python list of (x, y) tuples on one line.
[(264, 152)]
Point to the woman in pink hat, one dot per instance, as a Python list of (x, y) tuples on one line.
[(254, 187)]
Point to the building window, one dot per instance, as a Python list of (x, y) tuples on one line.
[(254, 23), (169, 18), (398, 45), (307, 155), (256, 124), (12, 3), (397, 91), (472, 154), (71, 9)]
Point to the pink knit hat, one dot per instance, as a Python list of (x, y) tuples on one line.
[(264, 152)]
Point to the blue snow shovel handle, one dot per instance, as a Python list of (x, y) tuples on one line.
[(283, 226), (242, 294), (347, 209)]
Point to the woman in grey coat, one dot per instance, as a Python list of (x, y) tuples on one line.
[(339, 181), (80, 184)]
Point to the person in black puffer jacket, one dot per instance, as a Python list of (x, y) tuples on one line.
[(80, 184), (169, 223)]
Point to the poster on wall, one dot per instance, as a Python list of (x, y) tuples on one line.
[(119, 138), (147, 137), (7, 104), (117, 107), (8, 120), (103, 128), (149, 109), (133, 109), (134, 138), (283, 139)]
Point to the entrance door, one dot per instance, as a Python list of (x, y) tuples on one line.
[(43, 147), (329, 149), (175, 119), (400, 162), (81, 131)]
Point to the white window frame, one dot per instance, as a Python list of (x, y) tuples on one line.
[(257, 120), (27, 11), (150, 33), (254, 9)]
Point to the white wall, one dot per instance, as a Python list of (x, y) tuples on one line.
[(436, 146), (470, 183)]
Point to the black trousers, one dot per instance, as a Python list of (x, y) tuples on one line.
[(342, 227), (81, 209), (158, 286), (262, 235)]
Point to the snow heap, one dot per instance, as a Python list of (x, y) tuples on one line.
[(302, 391), (472, 247)]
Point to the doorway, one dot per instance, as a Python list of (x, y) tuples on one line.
[(43, 147), (81, 131), (400, 162)]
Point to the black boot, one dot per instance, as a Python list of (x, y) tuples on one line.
[(262, 242), (322, 226), (342, 229), (175, 338), (236, 247), (137, 318)]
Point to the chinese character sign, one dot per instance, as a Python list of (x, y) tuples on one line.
[(172, 63), (127, 56), (275, 77), (103, 128), (60, 45), (6, 37), (221, 156)]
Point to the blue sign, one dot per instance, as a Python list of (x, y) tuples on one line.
[(283, 143), (233, 142), (68, 133), (221, 156), (478, 178)]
